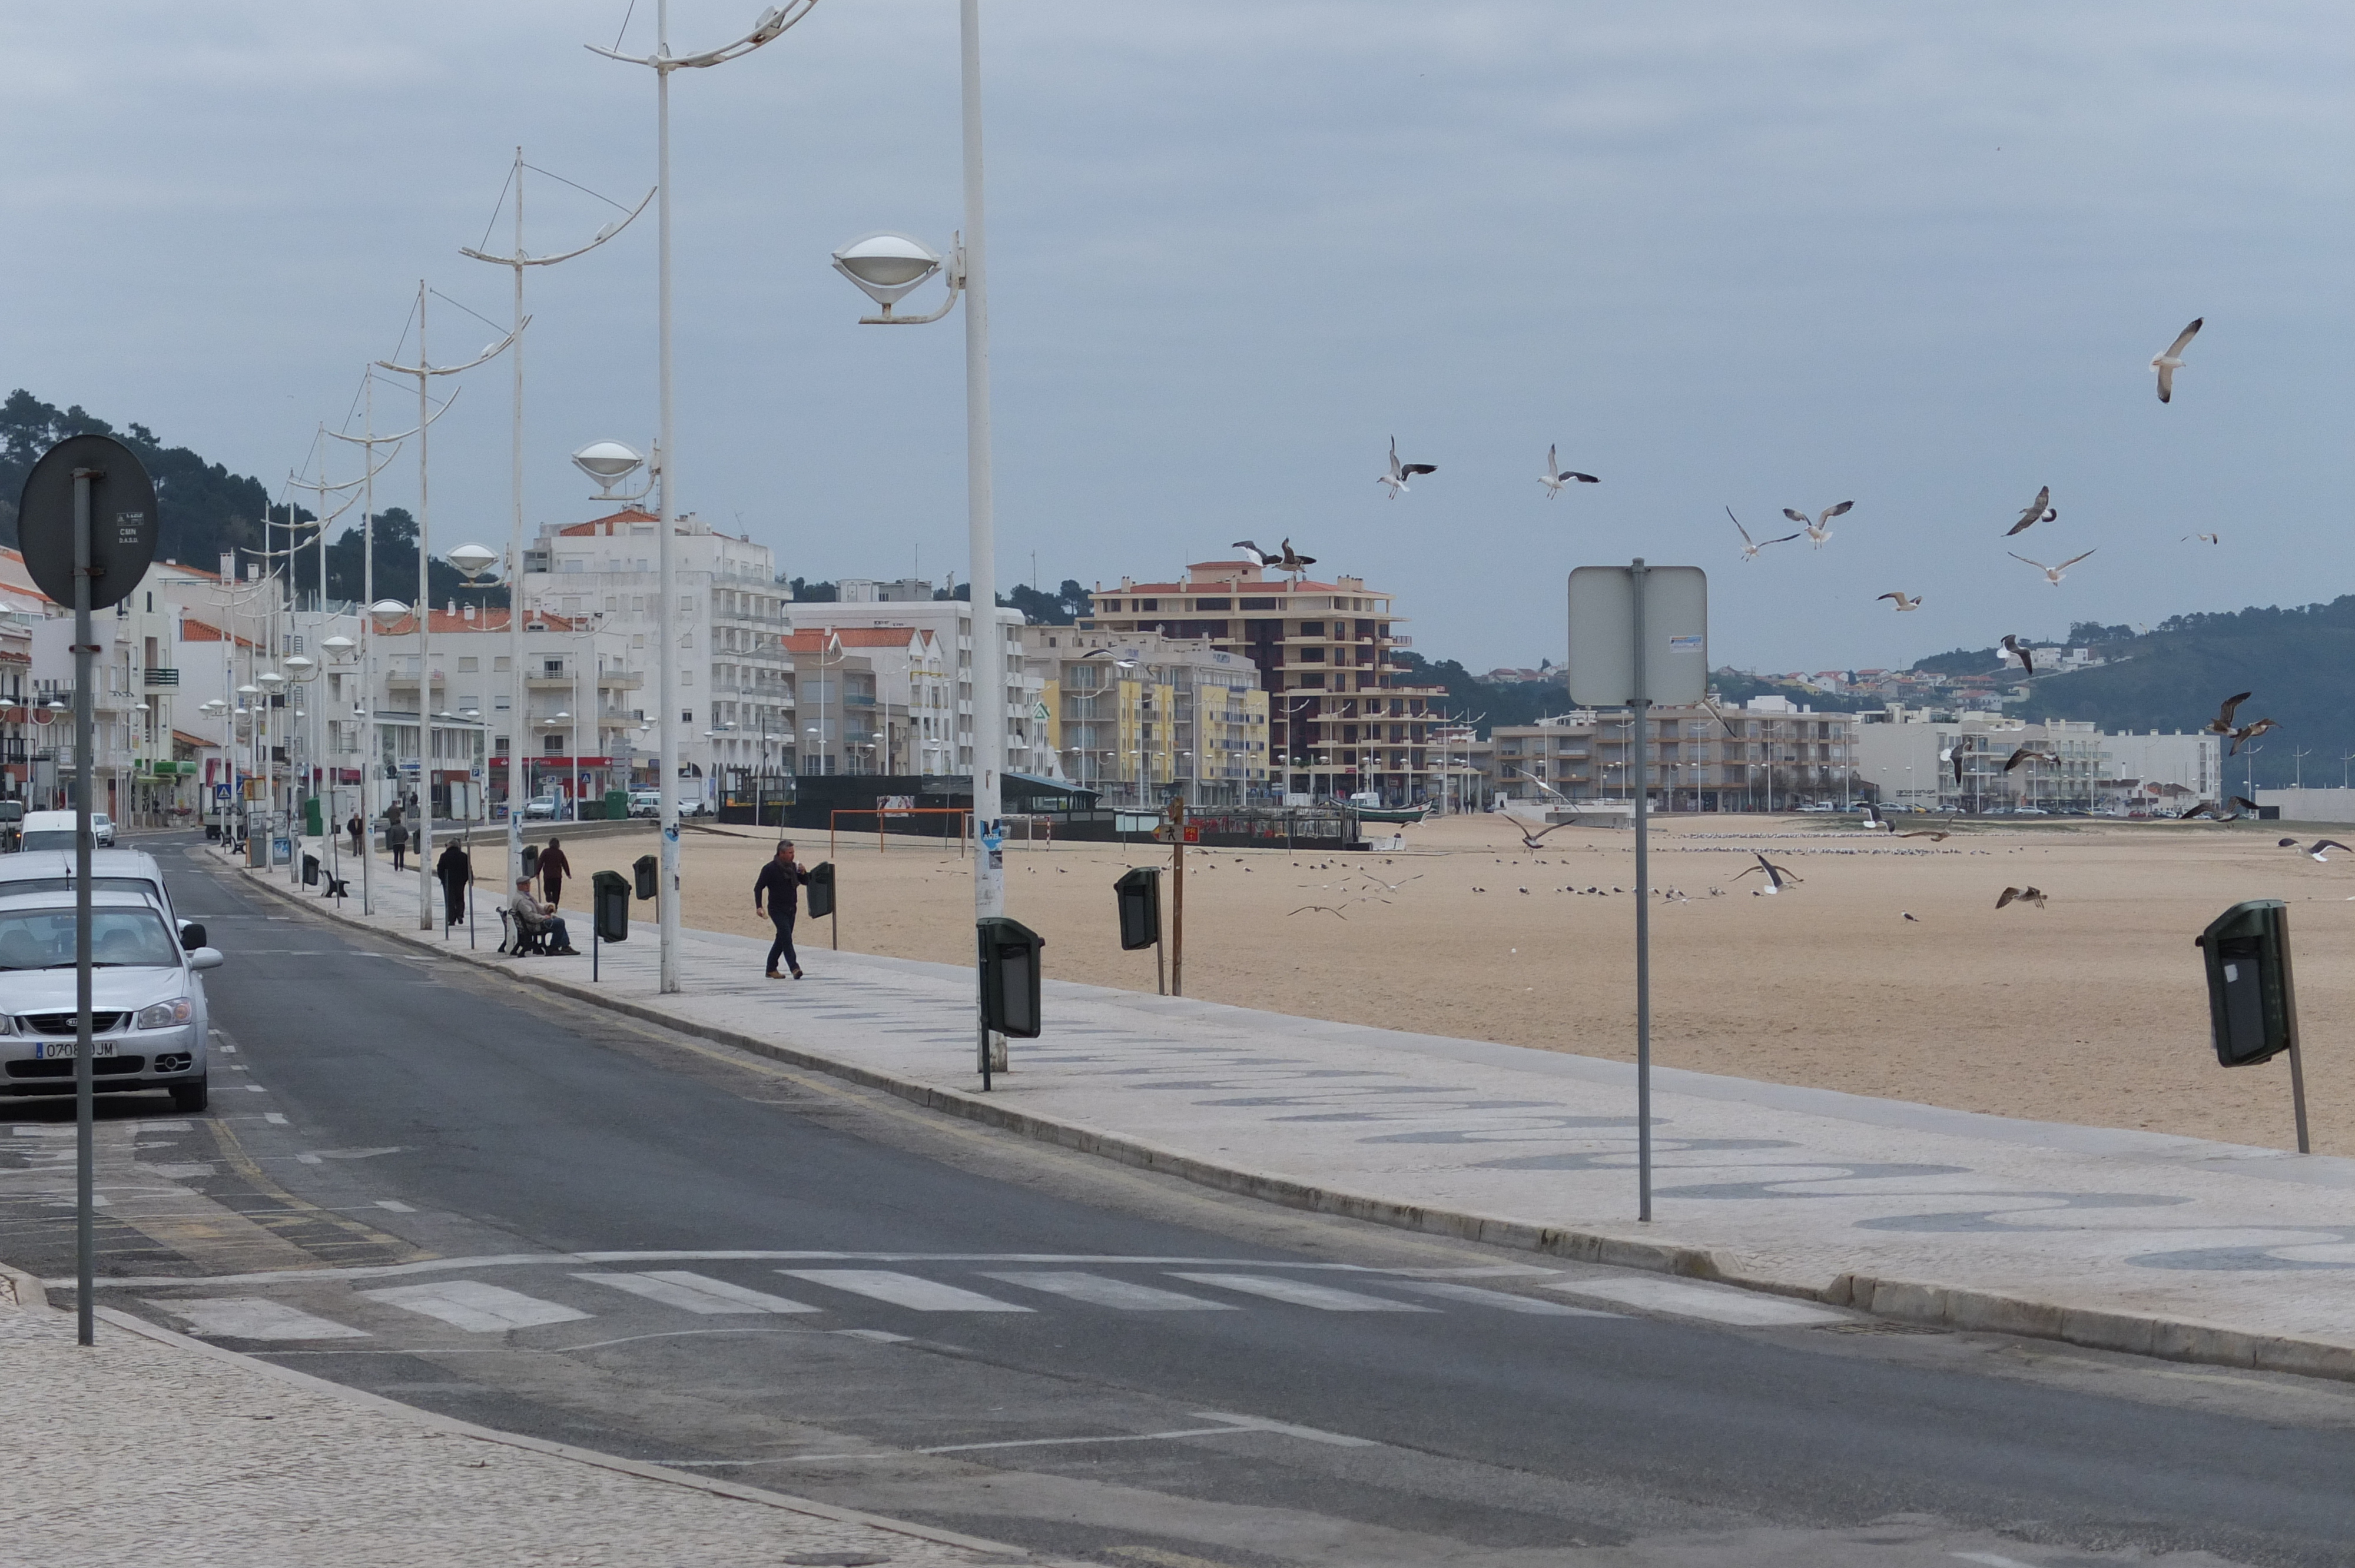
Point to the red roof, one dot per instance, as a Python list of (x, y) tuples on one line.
[(194, 631), (487, 618), (810, 641), (614, 523)]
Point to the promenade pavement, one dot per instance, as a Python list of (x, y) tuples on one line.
[(2130, 1241), (151, 1447)]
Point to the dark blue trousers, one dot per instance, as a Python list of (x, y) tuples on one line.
[(783, 945)]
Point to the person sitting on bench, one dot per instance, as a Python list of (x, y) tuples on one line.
[(532, 919)]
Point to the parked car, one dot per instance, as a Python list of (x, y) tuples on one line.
[(645, 802), (148, 1016), (110, 871), (542, 809), (101, 829)]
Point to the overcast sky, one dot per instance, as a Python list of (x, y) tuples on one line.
[(1755, 255)]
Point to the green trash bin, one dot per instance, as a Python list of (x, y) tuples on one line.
[(314, 818), (609, 902), (617, 804)]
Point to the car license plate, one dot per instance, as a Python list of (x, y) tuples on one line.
[(67, 1050)]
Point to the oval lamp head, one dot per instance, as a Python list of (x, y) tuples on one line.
[(887, 266), (473, 560), (338, 644), (299, 665), (388, 609), (606, 461)]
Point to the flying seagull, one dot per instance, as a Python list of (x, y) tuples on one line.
[(1821, 528), (1258, 558), (1903, 603), (2052, 574), (2242, 806), (2223, 722), (2249, 732), (1939, 836), (1400, 472), (2203, 538), (1556, 476), (1776, 875), (1328, 909), (2316, 848), (2021, 896), (2019, 650), (2169, 360), (1292, 561), (1750, 546), (2040, 510), (2026, 754), (1956, 749), (1873, 819)]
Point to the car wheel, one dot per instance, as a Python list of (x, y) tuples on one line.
[(191, 1096)]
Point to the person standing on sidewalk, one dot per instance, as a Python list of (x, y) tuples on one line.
[(455, 871), (781, 882), (355, 828), (396, 839), (553, 869)]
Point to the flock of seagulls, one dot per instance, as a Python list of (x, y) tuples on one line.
[(2222, 724)]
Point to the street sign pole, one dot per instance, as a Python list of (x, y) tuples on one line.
[(85, 1096), (1639, 636)]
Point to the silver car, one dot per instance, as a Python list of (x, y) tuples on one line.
[(149, 1023)]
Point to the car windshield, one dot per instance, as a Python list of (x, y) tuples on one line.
[(119, 938), (49, 839)]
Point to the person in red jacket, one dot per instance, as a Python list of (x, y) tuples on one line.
[(553, 869), (781, 882)]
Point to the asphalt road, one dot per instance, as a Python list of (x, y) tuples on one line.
[(438, 1186)]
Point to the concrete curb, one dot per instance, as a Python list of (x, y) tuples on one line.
[(1936, 1306), (715, 1486), (22, 1288)]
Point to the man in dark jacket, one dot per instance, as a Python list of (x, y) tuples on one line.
[(454, 871), (355, 828), (781, 882), (396, 839), (553, 869)]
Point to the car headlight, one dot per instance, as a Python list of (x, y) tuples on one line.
[(165, 1015)]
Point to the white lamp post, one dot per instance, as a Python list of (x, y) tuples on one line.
[(662, 62), (887, 267)]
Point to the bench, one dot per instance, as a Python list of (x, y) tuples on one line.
[(532, 940)]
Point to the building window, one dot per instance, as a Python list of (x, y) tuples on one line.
[(1312, 629)]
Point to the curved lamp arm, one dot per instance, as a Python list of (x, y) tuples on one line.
[(483, 358), (381, 440), (608, 232), (773, 21)]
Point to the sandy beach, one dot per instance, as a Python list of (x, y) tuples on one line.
[(2090, 1010)]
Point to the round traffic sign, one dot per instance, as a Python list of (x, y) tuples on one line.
[(122, 519)]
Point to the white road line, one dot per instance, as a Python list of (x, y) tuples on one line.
[(1480, 1271), (395, 1205), (1309, 1434), (275, 1118), (255, 1318), (694, 1293), (911, 1291), (1503, 1300), (1097, 1290), (880, 1335), (1300, 1293), (1715, 1303), (471, 1305), (1990, 1560), (256, 1088)]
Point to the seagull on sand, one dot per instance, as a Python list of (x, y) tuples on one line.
[(1934, 835), (2021, 896), (1911, 915), (2039, 509), (1776, 875), (1904, 604), (1400, 472), (2223, 722), (2169, 360), (2052, 574), (2018, 649), (1821, 528), (2317, 849), (1750, 546), (1554, 477)]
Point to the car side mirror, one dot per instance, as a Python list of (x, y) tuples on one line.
[(192, 936), (205, 958)]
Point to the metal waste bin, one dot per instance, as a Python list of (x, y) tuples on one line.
[(2252, 998), (1009, 977), (609, 905), (648, 871), (821, 890), (1138, 895), (531, 862), (310, 869)]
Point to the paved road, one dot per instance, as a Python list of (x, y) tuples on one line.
[(428, 1183)]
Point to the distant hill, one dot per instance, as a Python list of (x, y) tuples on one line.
[(2299, 664)]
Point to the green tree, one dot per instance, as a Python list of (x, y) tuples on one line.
[(203, 510)]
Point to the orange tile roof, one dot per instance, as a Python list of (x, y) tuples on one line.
[(855, 637), (487, 618), (628, 516), (194, 631)]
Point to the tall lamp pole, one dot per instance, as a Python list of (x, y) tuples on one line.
[(773, 21), (887, 267), (425, 370), (519, 701)]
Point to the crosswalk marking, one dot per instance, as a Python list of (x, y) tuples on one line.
[(1714, 1303), (696, 1293), (909, 1290), (1097, 1290), (255, 1318), (1503, 1300), (478, 1307), (1300, 1293)]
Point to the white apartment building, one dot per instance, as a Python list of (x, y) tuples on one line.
[(735, 678), (872, 699), (867, 602), (1908, 757)]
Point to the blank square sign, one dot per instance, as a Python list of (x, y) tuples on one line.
[(1602, 636)]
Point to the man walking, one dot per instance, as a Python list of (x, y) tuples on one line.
[(781, 882), (396, 839), (454, 871), (553, 869), (355, 828)]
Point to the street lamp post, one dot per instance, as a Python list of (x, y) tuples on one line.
[(887, 267), (662, 62)]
